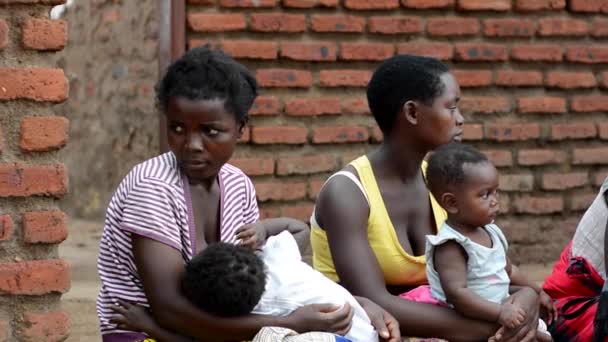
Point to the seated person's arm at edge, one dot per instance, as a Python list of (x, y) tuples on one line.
[(254, 235), (161, 269), (343, 212), (451, 265)]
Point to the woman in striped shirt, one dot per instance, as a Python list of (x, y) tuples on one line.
[(170, 207)]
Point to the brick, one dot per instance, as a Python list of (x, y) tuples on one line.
[(539, 5), (541, 104), (344, 78), (538, 205), (314, 188), (600, 28), (313, 52), (587, 55), (44, 34), (570, 79), (254, 166), (589, 6), (250, 49), (266, 212), (537, 53), (600, 177), (300, 212), (248, 3), (516, 182), (266, 105), (499, 158), (604, 77), (395, 25), (509, 27), (305, 165), (366, 51), (573, 130), (37, 84), (337, 23), (562, 27), (43, 133), (512, 131), (590, 156), (246, 137), (377, 135), (473, 78), (452, 26), (51, 326), (590, 103), (3, 35), (356, 106), (484, 5), (442, 51), (280, 191), (515, 78), (313, 106), (6, 230), (582, 201), (216, 22), (472, 132), (535, 157), (44, 227), (339, 134), (427, 4), (309, 3), (34, 278), (1, 141), (602, 128), (278, 22), (563, 181), (279, 135), (201, 2), (371, 4), (480, 52), (284, 78), (485, 104), (4, 331), (32, 2), (17, 180)]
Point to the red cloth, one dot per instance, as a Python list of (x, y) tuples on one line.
[(576, 287)]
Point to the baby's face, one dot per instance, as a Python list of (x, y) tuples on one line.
[(477, 197)]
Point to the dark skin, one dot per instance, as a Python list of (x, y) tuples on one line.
[(203, 136), (343, 212), (470, 207)]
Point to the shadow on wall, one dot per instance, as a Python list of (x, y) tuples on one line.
[(111, 63)]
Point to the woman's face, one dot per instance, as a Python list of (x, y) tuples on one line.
[(441, 122), (202, 135)]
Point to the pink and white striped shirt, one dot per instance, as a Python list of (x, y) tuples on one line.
[(153, 200)]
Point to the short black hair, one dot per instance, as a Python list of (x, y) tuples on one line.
[(204, 73), (399, 79), (446, 166), (224, 279)]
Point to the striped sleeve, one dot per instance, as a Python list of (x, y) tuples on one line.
[(150, 210), (251, 212)]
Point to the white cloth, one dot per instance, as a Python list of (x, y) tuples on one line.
[(291, 284), (486, 269), (276, 334), (588, 241)]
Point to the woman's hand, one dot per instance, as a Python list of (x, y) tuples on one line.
[(386, 325), (322, 317), (132, 317), (252, 235), (528, 300), (549, 311)]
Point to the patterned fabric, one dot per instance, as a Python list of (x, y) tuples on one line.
[(153, 201), (275, 334)]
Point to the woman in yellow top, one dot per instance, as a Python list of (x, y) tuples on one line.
[(371, 218)]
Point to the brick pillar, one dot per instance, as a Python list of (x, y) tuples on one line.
[(32, 178)]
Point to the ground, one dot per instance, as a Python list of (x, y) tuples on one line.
[(80, 250)]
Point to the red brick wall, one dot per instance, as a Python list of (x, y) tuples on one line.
[(32, 178), (532, 72)]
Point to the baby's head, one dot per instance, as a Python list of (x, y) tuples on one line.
[(465, 183), (224, 279)]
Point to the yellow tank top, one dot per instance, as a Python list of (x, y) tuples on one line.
[(398, 267)]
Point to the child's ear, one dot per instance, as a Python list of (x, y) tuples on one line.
[(410, 111), (241, 126), (449, 203)]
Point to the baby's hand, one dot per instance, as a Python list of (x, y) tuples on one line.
[(129, 316), (511, 315), (548, 308)]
